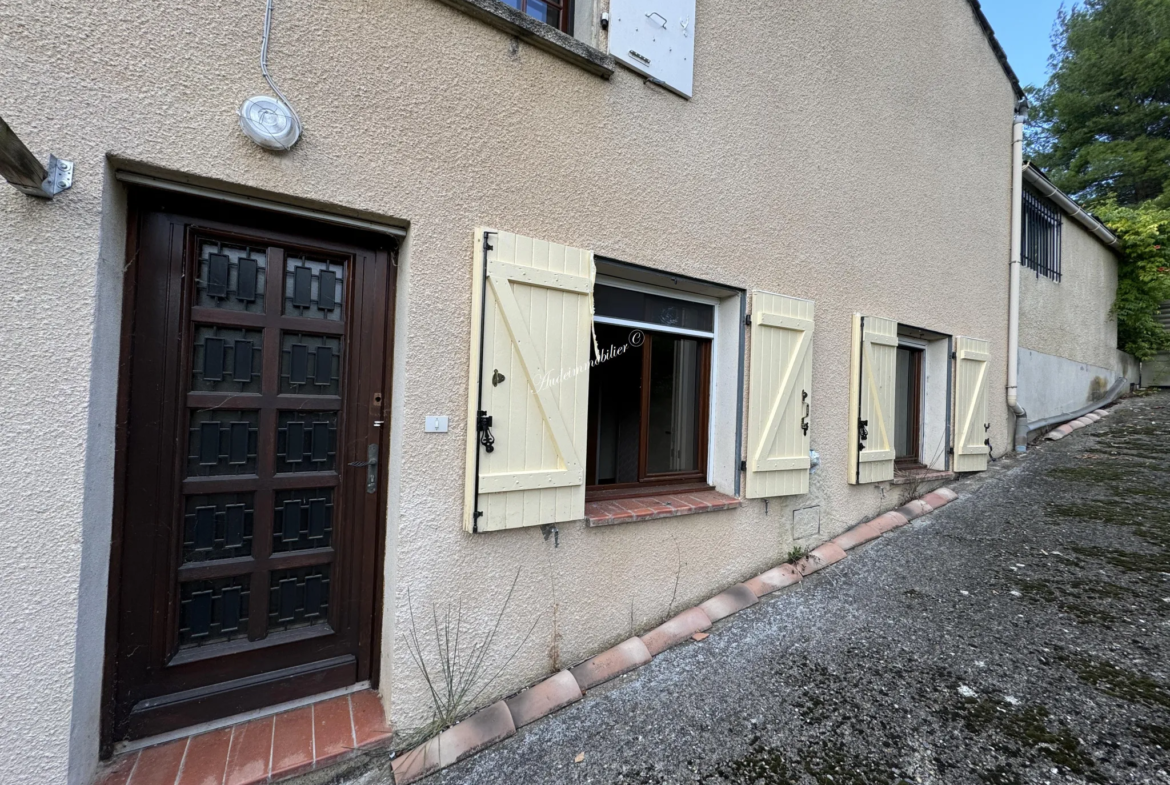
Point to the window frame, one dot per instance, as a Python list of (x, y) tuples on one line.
[(917, 399), (565, 24), (649, 483)]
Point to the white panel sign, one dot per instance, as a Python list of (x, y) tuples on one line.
[(655, 38)]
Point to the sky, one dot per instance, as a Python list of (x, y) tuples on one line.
[(1023, 28)]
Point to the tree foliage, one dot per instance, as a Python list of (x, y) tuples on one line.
[(1143, 277), (1101, 125)]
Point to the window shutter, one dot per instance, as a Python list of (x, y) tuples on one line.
[(530, 375), (971, 449), (779, 396), (873, 366)]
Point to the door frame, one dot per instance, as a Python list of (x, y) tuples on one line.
[(140, 201)]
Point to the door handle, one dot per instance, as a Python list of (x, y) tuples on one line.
[(371, 464)]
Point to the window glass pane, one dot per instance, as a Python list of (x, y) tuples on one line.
[(621, 303), (618, 303), (615, 405), (906, 412), (546, 12), (673, 433)]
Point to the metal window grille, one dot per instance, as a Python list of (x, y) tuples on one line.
[(1041, 241)]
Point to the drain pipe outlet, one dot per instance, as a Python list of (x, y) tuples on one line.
[(1013, 349)]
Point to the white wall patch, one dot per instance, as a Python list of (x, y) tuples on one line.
[(656, 38)]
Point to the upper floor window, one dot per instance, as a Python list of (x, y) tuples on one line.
[(1041, 240), (547, 11)]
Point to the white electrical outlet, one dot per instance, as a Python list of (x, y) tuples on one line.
[(436, 424)]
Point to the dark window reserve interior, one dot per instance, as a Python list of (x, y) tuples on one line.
[(908, 407), (649, 393)]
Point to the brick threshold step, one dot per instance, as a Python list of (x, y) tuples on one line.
[(260, 750)]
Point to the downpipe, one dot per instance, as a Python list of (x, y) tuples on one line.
[(1020, 436)]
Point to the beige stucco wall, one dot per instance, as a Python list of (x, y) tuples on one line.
[(1073, 318), (854, 153)]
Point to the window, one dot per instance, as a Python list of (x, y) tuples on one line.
[(908, 406), (650, 390), (1041, 240), (547, 11)]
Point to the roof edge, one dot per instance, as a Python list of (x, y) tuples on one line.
[(1038, 180), (997, 49)]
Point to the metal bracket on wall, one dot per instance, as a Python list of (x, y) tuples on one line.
[(22, 169)]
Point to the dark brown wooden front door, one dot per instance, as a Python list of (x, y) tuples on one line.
[(248, 527)]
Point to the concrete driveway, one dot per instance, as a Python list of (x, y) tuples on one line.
[(1018, 635)]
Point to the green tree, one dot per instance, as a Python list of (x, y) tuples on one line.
[(1101, 125), (1143, 277)]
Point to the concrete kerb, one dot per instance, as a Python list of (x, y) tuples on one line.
[(501, 719)]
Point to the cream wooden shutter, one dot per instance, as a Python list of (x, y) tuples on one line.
[(779, 391), (874, 366), (532, 379), (971, 424)]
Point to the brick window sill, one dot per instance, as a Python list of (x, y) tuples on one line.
[(647, 508), (542, 36), (911, 476)]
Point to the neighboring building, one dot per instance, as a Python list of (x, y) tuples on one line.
[(1068, 332), (224, 486)]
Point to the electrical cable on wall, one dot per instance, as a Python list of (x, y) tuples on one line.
[(270, 122)]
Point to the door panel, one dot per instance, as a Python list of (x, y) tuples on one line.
[(247, 536)]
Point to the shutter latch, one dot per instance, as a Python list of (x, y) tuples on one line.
[(863, 427), (804, 420), (483, 425)]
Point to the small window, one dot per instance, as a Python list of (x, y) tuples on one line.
[(547, 11), (649, 393), (908, 408), (1041, 236)]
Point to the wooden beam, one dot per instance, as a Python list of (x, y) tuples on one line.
[(18, 165)]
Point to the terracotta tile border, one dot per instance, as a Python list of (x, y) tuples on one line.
[(1062, 431), (501, 719), (650, 507), (263, 750)]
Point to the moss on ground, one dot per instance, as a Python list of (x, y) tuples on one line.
[(1118, 682), (1018, 731)]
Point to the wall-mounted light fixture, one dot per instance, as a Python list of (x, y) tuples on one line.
[(270, 122)]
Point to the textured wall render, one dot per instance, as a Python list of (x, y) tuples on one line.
[(853, 153)]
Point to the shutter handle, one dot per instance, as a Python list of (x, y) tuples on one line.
[(483, 425)]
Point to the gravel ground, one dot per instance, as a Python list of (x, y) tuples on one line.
[(1018, 635)]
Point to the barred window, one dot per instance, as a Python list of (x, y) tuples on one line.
[(1041, 241)]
